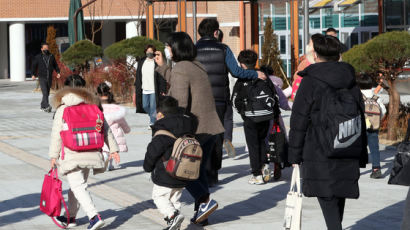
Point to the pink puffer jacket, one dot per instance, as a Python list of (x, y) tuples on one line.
[(115, 116)]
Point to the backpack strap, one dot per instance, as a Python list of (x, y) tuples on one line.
[(165, 133), (375, 97)]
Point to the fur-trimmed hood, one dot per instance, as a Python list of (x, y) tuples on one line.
[(73, 96)]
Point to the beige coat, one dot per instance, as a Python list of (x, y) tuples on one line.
[(72, 159), (189, 81)]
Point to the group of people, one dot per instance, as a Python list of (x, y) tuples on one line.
[(187, 93)]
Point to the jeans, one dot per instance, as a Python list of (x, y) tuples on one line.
[(373, 142), (150, 106), (228, 122), (45, 86), (199, 188), (332, 209)]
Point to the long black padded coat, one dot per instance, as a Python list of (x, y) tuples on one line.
[(323, 177)]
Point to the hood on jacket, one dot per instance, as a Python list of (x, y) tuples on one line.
[(337, 74), (73, 96), (113, 112), (178, 124)]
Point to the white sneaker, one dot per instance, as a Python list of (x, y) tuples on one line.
[(266, 173), (256, 180)]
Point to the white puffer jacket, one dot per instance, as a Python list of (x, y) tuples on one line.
[(115, 116), (72, 159)]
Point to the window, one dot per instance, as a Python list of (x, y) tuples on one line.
[(370, 13), (394, 12), (365, 36), (330, 19), (350, 17), (354, 39), (314, 20), (282, 44)]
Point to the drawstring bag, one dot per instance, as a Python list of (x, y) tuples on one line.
[(293, 210), (52, 196)]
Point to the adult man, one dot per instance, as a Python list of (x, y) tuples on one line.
[(43, 66), (218, 59), (333, 32)]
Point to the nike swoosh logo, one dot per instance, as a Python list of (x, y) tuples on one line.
[(338, 145), (205, 208)]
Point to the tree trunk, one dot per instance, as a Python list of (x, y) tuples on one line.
[(394, 104)]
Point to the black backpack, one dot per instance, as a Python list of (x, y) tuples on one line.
[(341, 122), (256, 99)]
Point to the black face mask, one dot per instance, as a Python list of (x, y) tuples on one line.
[(150, 55), (46, 52)]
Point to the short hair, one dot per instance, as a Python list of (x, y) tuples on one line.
[(207, 27), (74, 80), (267, 70), (168, 105), (182, 47), (331, 29), (327, 47), (220, 35), (149, 46), (103, 89), (364, 81), (248, 58), (44, 44)]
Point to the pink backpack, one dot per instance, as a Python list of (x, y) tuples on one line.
[(82, 128)]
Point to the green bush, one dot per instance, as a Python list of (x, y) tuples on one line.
[(80, 53)]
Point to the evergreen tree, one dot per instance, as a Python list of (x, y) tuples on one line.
[(271, 53), (51, 41)]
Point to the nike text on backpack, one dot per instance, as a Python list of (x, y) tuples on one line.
[(256, 99), (293, 210), (82, 128), (186, 157), (340, 123), (51, 197), (372, 113)]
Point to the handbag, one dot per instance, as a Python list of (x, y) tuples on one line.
[(293, 210), (400, 173), (52, 196), (277, 144)]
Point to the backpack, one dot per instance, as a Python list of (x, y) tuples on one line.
[(82, 128), (256, 99), (372, 113), (186, 157), (340, 128)]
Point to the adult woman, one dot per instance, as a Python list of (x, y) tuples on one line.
[(74, 165), (331, 180), (189, 84), (149, 85)]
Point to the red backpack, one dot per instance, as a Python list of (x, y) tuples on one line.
[(82, 128)]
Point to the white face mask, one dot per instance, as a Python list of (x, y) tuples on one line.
[(167, 53)]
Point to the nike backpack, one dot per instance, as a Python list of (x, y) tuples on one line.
[(186, 157), (372, 113), (340, 128), (82, 128)]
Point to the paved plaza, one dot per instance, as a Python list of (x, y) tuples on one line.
[(123, 197)]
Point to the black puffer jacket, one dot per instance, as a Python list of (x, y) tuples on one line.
[(323, 177), (161, 147), (43, 66), (211, 54)]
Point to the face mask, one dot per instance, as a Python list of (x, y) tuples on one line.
[(167, 53), (46, 52), (150, 55)]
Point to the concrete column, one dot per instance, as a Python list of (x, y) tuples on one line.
[(4, 59), (132, 29), (17, 52), (108, 34)]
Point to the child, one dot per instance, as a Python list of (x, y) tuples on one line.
[(167, 190), (115, 116), (365, 83)]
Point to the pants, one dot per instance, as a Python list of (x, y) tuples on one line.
[(406, 214), (199, 188), (332, 209), (373, 142), (150, 106), (45, 86), (255, 134), (78, 194), (167, 199), (214, 162), (228, 122)]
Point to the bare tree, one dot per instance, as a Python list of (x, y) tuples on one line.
[(96, 13), (160, 21), (141, 6)]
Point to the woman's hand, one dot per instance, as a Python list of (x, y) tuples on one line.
[(159, 59), (53, 163), (116, 157)]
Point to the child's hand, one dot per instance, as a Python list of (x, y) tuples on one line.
[(116, 157), (53, 163)]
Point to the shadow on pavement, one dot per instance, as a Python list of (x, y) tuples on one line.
[(20, 202)]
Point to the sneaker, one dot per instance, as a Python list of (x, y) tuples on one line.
[(230, 150), (174, 222), (256, 180), (203, 223), (48, 109), (96, 223), (205, 209), (277, 173), (266, 173), (376, 174), (62, 220)]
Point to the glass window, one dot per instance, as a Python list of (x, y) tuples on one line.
[(370, 13), (354, 39), (394, 12), (350, 17), (364, 37), (314, 20), (282, 44), (330, 19)]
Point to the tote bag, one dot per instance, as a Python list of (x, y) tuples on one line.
[(293, 211), (52, 196)]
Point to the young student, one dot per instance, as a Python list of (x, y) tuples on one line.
[(167, 190), (365, 83), (76, 165), (115, 116)]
